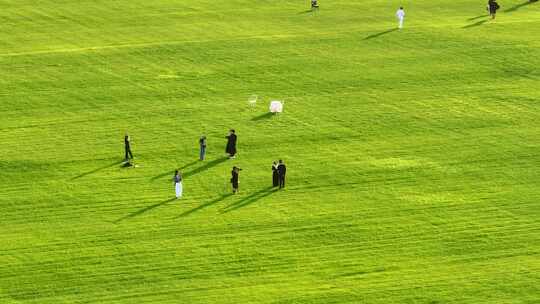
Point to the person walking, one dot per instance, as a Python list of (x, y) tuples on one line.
[(400, 14), (178, 184), (231, 144), (235, 179), (492, 7), (282, 170), (275, 175), (127, 148), (202, 147)]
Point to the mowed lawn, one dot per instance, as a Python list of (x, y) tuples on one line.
[(413, 156)]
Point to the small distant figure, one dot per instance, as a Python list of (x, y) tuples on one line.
[(314, 5), (231, 144), (202, 147), (492, 8), (275, 175), (235, 179), (252, 100), (178, 184), (282, 170), (400, 14), (127, 148)]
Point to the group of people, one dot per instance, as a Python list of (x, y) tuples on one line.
[(278, 174), (278, 168)]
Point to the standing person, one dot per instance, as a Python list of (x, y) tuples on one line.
[(282, 170), (231, 143), (127, 147), (202, 147), (492, 7), (178, 184), (235, 179), (275, 175), (400, 14)]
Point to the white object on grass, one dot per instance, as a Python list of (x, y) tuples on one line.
[(252, 100), (276, 106)]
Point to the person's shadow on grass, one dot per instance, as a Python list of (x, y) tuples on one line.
[(97, 170), (206, 166), (262, 116), (250, 199), (207, 204), (381, 33), (475, 24), (143, 210), (477, 17), (516, 7)]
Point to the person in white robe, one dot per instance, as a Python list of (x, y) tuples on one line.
[(400, 14), (178, 183)]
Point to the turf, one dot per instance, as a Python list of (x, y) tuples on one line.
[(412, 155)]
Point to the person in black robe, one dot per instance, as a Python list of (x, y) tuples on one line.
[(202, 147), (235, 179), (231, 144), (282, 170), (275, 175), (127, 148), (493, 6)]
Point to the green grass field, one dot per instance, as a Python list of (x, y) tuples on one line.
[(412, 155)]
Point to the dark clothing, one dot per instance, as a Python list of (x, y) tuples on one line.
[(493, 7), (282, 170), (177, 178), (202, 150), (314, 4), (275, 176), (127, 147), (231, 145), (234, 179)]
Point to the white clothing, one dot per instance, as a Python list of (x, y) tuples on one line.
[(178, 189), (276, 106), (400, 14)]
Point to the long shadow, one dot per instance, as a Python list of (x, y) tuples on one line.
[(516, 7), (305, 12), (210, 203), (206, 166), (143, 210), (381, 33), (172, 171), (475, 24), (477, 17), (262, 116), (249, 199), (97, 170)]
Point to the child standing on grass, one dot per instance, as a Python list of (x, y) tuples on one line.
[(178, 184), (492, 8), (235, 179)]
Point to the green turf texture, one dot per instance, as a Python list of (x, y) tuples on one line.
[(413, 155)]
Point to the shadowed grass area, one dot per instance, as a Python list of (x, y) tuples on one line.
[(519, 6), (381, 33)]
